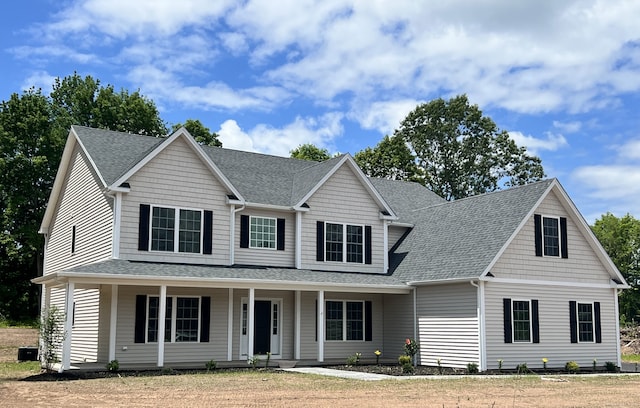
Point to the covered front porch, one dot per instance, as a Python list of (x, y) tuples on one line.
[(123, 318)]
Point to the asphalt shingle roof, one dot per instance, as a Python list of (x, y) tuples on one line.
[(450, 240)]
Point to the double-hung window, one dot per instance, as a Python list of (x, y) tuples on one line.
[(262, 232), (344, 243), (521, 321), (171, 225), (584, 319), (182, 321), (551, 236), (345, 320)]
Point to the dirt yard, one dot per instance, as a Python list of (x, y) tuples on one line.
[(12, 338), (21, 385)]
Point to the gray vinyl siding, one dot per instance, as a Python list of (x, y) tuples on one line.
[(342, 199), (83, 205), (395, 233), (175, 177), (555, 341), (519, 260), (263, 256), (398, 324), (105, 323), (448, 325), (58, 296), (308, 326), (174, 353), (84, 340)]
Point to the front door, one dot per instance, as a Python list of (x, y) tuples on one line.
[(267, 321), (262, 327)]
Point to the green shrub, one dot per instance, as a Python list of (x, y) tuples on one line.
[(472, 368), (572, 367), (522, 368), (354, 359), (113, 366), (211, 365), (611, 367), (404, 359)]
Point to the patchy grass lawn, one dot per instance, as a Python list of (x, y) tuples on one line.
[(631, 358)]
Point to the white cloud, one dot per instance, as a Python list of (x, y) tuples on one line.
[(630, 150), (384, 116), (40, 79), (552, 142), (567, 127), (280, 141)]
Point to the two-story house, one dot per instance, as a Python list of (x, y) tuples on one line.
[(162, 252)]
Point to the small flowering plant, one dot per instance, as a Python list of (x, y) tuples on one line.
[(377, 353), (411, 347), (544, 363)]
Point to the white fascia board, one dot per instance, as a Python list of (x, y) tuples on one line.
[(365, 181), (442, 281), (552, 283), (182, 132), (129, 280)]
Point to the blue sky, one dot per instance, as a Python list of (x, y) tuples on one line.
[(563, 77)]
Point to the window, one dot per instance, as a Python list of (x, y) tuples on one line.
[(344, 239), (262, 233), (73, 239), (275, 318), (345, 320), (551, 236), (584, 321), (164, 233), (521, 321), (181, 323)]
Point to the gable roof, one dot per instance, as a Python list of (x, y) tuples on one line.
[(405, 196)]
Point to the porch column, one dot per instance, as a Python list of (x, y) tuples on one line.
[(320, 319), (113, 318), (162, 313), (250, 306), (230, 326), (68, 328), (297, 328)]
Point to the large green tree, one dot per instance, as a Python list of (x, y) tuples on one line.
[(309, 151), (460, 152), (620, 237), (33, 129), (199, 132), (391, 158)]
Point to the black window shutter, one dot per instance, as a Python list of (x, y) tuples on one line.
[(596, 322), (367, 244), (535, 323), (320, 241), (143, 227), (368, 321), (205, 318), (141, 318), (316, 320), (280, 232), (506, 303), (563, 237), (244, 231), (207, 237), (573, 321), (537, 220)]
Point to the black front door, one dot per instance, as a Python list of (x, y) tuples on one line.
[(262, 327)]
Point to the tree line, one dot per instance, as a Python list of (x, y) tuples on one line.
[(449, 146)]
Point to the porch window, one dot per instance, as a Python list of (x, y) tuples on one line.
[(181, 323), (345, 320)]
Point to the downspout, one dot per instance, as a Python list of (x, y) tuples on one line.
[(480, 313), (232, 233)]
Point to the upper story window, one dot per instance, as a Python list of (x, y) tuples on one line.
[(338, 242), (262, 232), (171, 229), (164, 233), (551, 236)]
